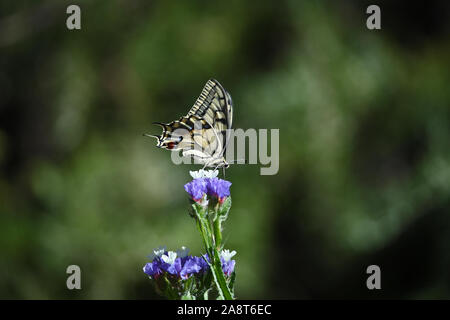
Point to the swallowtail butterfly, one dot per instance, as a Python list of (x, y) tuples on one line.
[(202, 133)]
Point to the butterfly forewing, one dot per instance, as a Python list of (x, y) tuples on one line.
[(214, 105)]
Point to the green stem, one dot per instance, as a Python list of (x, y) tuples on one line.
[(218, 233), (211, 247)]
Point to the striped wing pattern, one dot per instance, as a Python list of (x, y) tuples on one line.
[(204, 128)]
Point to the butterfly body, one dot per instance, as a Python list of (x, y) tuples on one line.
[(203, 133)]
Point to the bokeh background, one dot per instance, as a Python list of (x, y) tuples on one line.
[(364, 119)]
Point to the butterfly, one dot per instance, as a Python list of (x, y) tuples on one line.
[(203, 133)]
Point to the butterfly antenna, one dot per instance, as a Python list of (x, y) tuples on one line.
[(235, 161), (159, 124), (150, 135)]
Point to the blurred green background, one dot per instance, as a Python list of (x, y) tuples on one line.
[(364, 119)]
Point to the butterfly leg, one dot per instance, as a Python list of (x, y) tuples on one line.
[(223, 170)]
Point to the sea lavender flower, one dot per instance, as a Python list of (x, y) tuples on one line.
[(178, 275), (227, 263), (179, 265), (192, 265), (206, 181), (201, 262), (169, 258), (196, 189), (227, 255), (225, 259), (153, 269), (204, 174), (171, 263), (158, 252), (218, 188), (185, 266)]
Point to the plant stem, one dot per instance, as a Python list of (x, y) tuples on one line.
[(212, 241), (217, 233)]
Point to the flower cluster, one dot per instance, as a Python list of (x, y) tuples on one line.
[(206, 182), (177, 264), (180, 265), (177, 275)]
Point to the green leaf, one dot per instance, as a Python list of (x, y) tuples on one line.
[(216, 281)]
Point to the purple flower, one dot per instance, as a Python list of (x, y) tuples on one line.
[(170, 263), (172, 268), (196, 188), (214, 187), (218, 188), (228, 266), (225, 259), (153, 269), (201, 262), (183, 267), (191, 266), (227, 263)]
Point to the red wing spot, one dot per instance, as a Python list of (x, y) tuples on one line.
[(170, 145)]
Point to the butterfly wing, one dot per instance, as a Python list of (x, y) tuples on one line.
[(191, 135), (202, 133), (215, 107)]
